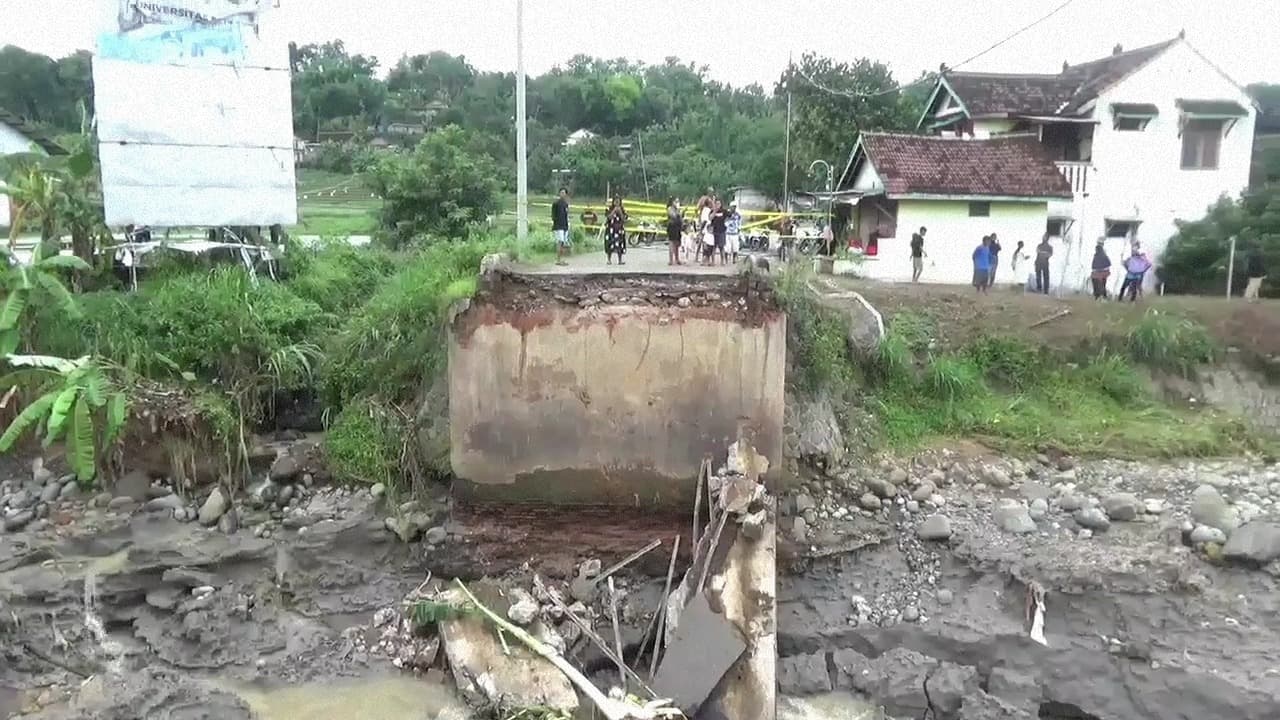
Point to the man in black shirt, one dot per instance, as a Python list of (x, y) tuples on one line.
[(917, 254), (560, 226)]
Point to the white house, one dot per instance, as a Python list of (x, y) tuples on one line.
[(16, 136), (959, 189), (1145, 138), (578, 136)]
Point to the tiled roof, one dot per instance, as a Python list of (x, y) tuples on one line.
[(1012, 166), (1064, 93), (998, 94)]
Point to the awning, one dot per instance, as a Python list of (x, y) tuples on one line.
[(1143, 110), (1222, 109)]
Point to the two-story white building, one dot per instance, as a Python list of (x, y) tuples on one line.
[(1144, 138)]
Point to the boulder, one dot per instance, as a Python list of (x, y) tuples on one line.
[(818, 438), (213, 508), (1122, 507), (1208, 507), (803, 674), (869, 501), (1205, 534), (1013, 517), (948, 686), (882, 488), (1256, 542), (1092, 518), (285, 469), (168, 503), (934, 527)]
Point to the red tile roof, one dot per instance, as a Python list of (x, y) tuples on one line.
[(1033, 94), (1012, 166)]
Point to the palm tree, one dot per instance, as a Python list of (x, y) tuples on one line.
[(37, 280), (35, 196)]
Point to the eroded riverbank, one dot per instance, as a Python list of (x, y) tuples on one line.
[(914, 586)]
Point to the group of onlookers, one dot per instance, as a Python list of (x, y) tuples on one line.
[(716, 233)]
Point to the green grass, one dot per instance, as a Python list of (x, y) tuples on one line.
[(1011, 394)]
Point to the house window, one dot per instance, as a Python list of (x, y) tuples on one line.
[(1119, 229), (1055, 227), (979, 209), (1131, 123), (1201, 139)]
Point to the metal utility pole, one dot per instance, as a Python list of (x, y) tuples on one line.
[(786, 155), (643, 171), (1231, 265), (522, 134)]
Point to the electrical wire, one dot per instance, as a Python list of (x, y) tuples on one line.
[(931, 77)]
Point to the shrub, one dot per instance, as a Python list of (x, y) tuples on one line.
[(953, 378), (1169, 343), (1111, 374), (363, 444), (1007, 362), (440, 188), (394, 344)]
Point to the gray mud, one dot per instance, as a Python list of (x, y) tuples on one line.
[(195, 623), (1139, 624)]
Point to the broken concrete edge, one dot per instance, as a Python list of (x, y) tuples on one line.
[(722, 643), (746, 297)]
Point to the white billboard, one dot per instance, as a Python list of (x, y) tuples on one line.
[(194, 112)]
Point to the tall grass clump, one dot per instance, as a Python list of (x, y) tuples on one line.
[(336, 276), (1168, 342), (365, 444), (952, 378), (1007, 362), (818, 341)]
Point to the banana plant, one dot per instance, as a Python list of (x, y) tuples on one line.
[(37, 279), (75, 402)]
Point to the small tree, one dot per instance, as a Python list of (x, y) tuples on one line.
[(440, 188), (1197, 256)]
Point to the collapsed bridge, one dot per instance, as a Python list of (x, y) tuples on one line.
[(602, 388)]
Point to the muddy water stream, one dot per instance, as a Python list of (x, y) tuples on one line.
[(388, 697)]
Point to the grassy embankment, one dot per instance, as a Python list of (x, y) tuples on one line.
[(1005, 390), (359, 329)]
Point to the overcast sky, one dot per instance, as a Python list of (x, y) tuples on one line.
[(741, 41)]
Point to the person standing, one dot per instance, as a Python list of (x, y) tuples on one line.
[(1256, 271), (1136, 267), (1019, 254), (733, 231), (560, 226), (1044, 251), (615, 232), (995, 258), (719, 228), (675, 225), (917, 254), (1101, 271), (982, 265)]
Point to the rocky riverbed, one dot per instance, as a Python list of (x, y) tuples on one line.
[(913, 586), (281, 600)]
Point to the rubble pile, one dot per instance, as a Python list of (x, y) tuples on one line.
[(676, 644)]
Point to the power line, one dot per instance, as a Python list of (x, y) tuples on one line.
[(931, 77)]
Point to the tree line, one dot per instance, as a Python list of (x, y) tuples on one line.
[(694, 131)]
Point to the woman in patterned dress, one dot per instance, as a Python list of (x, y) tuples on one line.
[(615, 232)]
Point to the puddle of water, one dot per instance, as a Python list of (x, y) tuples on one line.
[(382, 698), (832, 706)]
